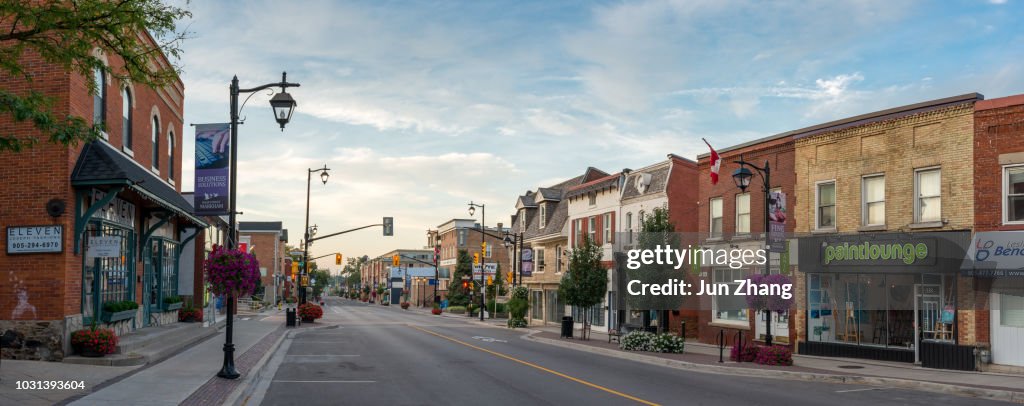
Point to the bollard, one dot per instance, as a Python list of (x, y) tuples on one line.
[(682, 329), (738, 342), (721, 344)]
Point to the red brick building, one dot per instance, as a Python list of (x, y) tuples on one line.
[(92, 223), (266, 240)]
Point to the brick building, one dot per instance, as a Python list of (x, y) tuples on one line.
[(464, 234), (266, 240), (593, 211), (998, 223), (92, 223), (887, 202)]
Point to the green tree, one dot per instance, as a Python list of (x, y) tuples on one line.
[(65, 34), (586, 281), (656, 229), (457, 295), (318, 280)]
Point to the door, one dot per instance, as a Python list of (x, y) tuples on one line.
[(927, 306), (1007, 321)]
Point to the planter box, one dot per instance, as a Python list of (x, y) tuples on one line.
[(457, 311), (499, 315), (172, 306), (112, 317), (307, 320)]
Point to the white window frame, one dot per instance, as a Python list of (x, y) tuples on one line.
[(543, 214), (738, 213), (817, 204), (538, 257), (607, 234), (155, 140), (714, 299), (522, 220), (918, 197), (592, 199), (558, 259), (864, 199), (592, 229), (1006, 193), (711, 215), (578, 233)]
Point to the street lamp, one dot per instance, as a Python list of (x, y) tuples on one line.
[(514, 241), (742, 177), (305, 252), (284, 105), (483, 253)]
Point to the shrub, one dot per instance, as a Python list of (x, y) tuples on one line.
[(99, 340), (190, 314), (747, 354), (774, 355), (497, 307), (172, 299), (669, 343), (637, 340), (457, 309), (405, 305), (517, 322), (310, 311), (521, 292), (120, 306)]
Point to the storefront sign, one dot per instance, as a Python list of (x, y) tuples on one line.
[(526, 267), (35, 239), (213, 152), (118, 210), (936, 251), (104, 247), (777, 222), (996, 253), (886, 252)]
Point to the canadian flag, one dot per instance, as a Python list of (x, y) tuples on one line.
[(716, 162)]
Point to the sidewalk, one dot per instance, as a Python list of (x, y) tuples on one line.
[(704, 357)]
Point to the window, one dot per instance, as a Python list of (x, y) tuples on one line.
[(826, 197), (543, 214), (928, 205), (743, 213), (579, 232), (538, 255), (1013, 190), (592, 229), (728, 308), (126, 119), (462, 237), (716, 217), (156, 143), (536, 305), (558, 259), (593, 198), (170, 156), (487, 254), (607, 228), (640, 225), (99, 100), (522, 220), (873, 200), (629, 226), (1011, 310)]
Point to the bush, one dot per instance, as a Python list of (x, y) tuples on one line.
[(457, 309), (190, 314), (774, 355), (501, 307), (669, 343), (517, 322), (643, 341), (99, 340), (121, 306), (310, 311), (521, 292), (747, 354), (172, 299)]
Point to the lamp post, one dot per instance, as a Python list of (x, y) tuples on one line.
[(283, 106), (515, 242), (483, 253), (742, 178), (305, 252)]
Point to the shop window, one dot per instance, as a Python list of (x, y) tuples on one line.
[(99, 99), (727, 307), (107, 279), (826, 198), (743, 213), (536, 305), (716, 217), (126, 119), (1011, 310), (928, 204), (873, 200), (553, 308), (1013, 194)]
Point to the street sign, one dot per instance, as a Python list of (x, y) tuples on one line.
[(490, 268), (432, 282)]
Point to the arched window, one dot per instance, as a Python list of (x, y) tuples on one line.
[(126, 119), (170, 155), (156, 143), (99, 99)]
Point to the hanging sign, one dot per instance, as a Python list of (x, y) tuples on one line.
[(526, 266), (777, 222), (104, 247), (213, 174)]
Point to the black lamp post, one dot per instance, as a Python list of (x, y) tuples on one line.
[(515, 242), (305, 252), (283, 106), (742, 178), (483, 253)]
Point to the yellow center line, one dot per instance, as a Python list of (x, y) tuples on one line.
[(529, 364)]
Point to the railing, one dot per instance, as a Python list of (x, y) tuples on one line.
[(737, 342)]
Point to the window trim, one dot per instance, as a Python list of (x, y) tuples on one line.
[(817, 205), (917, 194), (736, 207), (864, 202), (542, 211), (714, 303), (592, 229), (1005, 196), (711, 216), (558, 259), (539, 260)]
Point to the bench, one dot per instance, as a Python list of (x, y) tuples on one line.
[(614, 334)]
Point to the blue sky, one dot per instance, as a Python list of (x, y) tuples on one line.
[(420, 107)]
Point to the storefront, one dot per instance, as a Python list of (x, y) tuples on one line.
[(996, 259), (885, 296)]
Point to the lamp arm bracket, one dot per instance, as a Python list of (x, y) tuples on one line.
[(242, 107)]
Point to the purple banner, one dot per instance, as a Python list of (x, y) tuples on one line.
[(213, 154)]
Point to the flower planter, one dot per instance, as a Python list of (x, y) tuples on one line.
[(91, 353), (118, 316), (308, 319), (169, 307), (436, 311)]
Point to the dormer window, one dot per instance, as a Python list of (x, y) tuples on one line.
[(522, 220), (543, 214), (593, 199)]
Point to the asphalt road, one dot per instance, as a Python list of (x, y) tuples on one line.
[(386, 356)]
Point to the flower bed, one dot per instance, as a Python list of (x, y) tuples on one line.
[(650, 342), (190, 314), (94, 342), (764, 355)]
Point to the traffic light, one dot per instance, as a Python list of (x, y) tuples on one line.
[(476, 258), (465, 284), (337, 259), (395, 260), (490, 280), (389, 226), (508, 276), (483, 246), (295, 269)]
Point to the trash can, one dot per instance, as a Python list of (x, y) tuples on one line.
[(289, 316), (566, 326)]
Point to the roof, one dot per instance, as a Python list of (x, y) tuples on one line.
[(656, 179), (101, 164), (259, 226), (593, 185), (556, 209), (547, 193), (999, 102)]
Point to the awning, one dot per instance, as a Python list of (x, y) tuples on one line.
[(100, 164), (995, 254)]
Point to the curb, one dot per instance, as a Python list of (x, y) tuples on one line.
[(245, 389), (949, 389)]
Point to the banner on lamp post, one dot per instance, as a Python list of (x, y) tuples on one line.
[(777, 222), (213, 173)]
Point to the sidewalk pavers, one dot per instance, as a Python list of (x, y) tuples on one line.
[(14, 371)]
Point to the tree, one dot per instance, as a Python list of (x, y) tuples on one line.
[(586, 281), (318, 279), (656, 229), (65, 34), (457, 295)]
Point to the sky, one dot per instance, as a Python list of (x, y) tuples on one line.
[(420, 107)]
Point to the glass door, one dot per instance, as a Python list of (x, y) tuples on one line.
[(927, 305)]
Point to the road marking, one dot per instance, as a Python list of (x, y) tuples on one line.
[(532, 365), (858, 390), (324, 355), (325, 381), (489, 339)]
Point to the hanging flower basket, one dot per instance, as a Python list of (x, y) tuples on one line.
[(94, 342), (232, 272)]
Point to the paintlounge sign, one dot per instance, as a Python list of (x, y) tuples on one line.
[(917, 252)]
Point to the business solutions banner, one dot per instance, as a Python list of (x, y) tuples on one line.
[(213, 174)]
